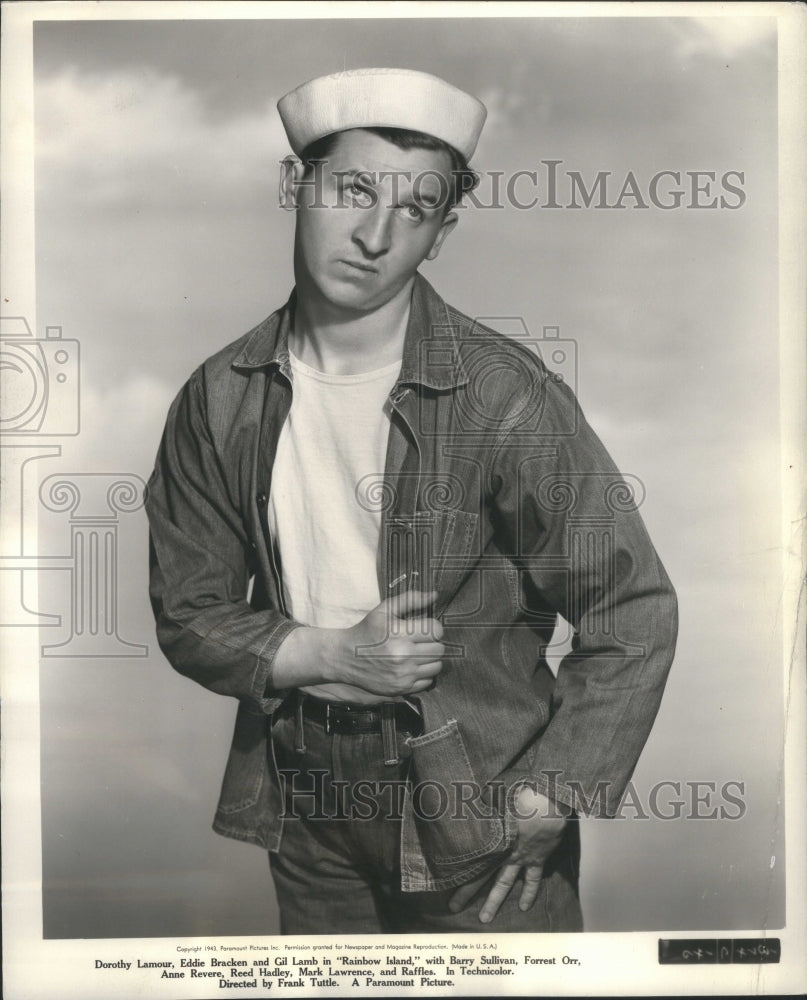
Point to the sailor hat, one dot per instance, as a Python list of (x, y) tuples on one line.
[(392, 98)]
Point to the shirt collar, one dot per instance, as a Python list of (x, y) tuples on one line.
[(268, 343), (431, 355)]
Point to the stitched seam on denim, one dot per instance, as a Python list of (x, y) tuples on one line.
[(462, 548), (448, 535), (486, 819), (452, 728), (279, 625), (544, 891), (506, 640), (287, 625), (249, 834), (217, 640), (435, 734), (443, 881), (234, 807), (248, 799)]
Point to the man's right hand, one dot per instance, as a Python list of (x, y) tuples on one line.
[(394, 650)]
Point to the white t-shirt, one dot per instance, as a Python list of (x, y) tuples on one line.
[(332, 447)]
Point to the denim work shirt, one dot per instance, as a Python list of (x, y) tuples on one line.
[(496, 494)]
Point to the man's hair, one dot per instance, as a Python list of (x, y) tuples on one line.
[(463, 178)]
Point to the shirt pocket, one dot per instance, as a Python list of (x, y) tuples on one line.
[(454, 543), (430, 550)]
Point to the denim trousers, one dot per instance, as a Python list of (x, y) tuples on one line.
[(338, 866)]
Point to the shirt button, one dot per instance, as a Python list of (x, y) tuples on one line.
[(260, 499)]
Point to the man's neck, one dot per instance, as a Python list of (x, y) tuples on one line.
[(342, 343)]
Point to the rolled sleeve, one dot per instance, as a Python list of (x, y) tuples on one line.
[(201, 565)]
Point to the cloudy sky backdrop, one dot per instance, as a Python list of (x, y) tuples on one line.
[(159, 240)]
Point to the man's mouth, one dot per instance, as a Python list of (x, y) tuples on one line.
[(360, 266)]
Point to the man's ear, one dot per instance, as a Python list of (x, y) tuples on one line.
[(446, 226), (291, 173)]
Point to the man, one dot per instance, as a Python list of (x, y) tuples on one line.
[(367, 515)]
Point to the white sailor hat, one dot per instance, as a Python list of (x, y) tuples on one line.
[(392, 98)]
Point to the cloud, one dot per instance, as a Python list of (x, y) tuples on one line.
[(121, 424), (630, 88), (725, 37), (140, 134)]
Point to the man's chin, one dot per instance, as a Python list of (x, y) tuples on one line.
[(344, 295)]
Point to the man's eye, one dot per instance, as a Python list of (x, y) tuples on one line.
[(359, 194), (413, 213)]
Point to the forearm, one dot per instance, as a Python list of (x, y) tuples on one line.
[(305, 658), (380, 657), (228, 649), (309, 660)]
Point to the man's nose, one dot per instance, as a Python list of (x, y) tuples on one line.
[(373, 230)]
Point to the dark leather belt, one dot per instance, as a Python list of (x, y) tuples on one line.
[(347, 718)]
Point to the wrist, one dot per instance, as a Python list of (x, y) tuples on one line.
[(526, 797), (301, 658), (323, 648)]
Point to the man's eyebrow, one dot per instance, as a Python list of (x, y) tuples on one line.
[(429, 200), (350, 172), (425, 199)]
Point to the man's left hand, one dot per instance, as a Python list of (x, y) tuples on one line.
[(540, 830)]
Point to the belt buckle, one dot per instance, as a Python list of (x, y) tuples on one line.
[(328, 718)]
